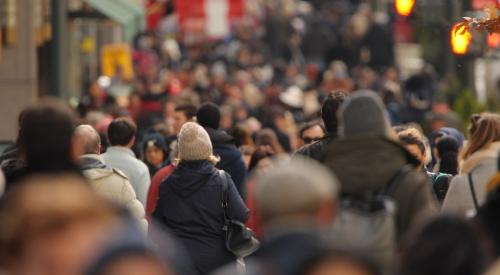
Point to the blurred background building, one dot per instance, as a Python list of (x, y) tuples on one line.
[(58, 47)]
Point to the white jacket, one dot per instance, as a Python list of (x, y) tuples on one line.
[(137, 172), (113, 185), (483, 166)]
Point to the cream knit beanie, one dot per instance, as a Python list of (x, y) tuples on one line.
[(194, 142)]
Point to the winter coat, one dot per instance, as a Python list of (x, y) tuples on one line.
[(137, 172), (113, 185), (316, 149), (482, 165), (190, 206), (231, 160), (368, 164), (488, 216)]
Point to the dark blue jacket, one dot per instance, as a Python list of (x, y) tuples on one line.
[(231, 160), (190, 205)]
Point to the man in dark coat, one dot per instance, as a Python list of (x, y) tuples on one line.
[(366, 157), (231, 161), (329, 116)]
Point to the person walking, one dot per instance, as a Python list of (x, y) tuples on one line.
[(231, 160), (190, 201), (367, 156), (121, 135), (478, 164), (112, 184), (329, 116)]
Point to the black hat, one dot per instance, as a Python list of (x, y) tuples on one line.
[(208, 115)]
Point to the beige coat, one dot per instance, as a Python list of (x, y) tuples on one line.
[(482, 165), (113, 184)]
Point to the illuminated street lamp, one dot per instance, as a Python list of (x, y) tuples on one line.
[(404, 7), (460, 40)]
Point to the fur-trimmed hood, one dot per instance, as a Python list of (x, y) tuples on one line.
[(486, 154)]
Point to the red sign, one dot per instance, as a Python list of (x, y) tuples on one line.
[(214, 16), (481, 4)]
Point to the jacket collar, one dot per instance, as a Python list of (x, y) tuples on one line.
[(120, 150), (490, 152), (91, 161)]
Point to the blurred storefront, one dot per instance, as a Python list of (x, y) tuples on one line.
[(52, 47)]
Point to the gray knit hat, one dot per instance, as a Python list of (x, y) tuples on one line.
[(363, 114), (194, 142)]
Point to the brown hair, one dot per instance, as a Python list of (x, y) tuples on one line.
[(45, 205), (267, 137), (484, 130)]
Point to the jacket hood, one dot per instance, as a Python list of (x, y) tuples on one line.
[(91, 162), (366, 164), (189, 176), (219, 137), (488, 153)]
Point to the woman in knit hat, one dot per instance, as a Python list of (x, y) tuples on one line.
[(190, 205)]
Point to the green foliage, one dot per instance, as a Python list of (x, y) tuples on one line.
[(466, 105)]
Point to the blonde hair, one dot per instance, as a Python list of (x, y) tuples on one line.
[(212, 158), (484, 130)]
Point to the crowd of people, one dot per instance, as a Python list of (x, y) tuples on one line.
[(321, 153)]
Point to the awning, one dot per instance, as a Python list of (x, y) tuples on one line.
[(128, 13)]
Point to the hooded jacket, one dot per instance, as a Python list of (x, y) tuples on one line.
[(482, 165), (190, 206), (231, 160), (113, 185), (369, 163)]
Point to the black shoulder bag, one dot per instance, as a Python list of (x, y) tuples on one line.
[(240, 240), (473, 191)]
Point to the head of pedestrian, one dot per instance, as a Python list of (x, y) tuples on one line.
[(338, 262), (363, 115), (483, 131), (289, 197), (88, 139), (208, 116), (154, 149), (182, 114), (121, 132), (53, 224), (195, 144), (460, 246), (311, 132), (46, 137), (413, 141), (329, 111)]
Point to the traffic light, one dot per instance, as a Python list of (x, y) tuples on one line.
[(460, 39), (404, 7), (493, 40)]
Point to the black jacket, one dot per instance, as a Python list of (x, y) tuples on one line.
[(190, 206), (231, 160), (488, 216), (316, 149)]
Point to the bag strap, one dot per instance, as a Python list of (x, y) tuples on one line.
[(472, 190), (225, 194), (396, 179)]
